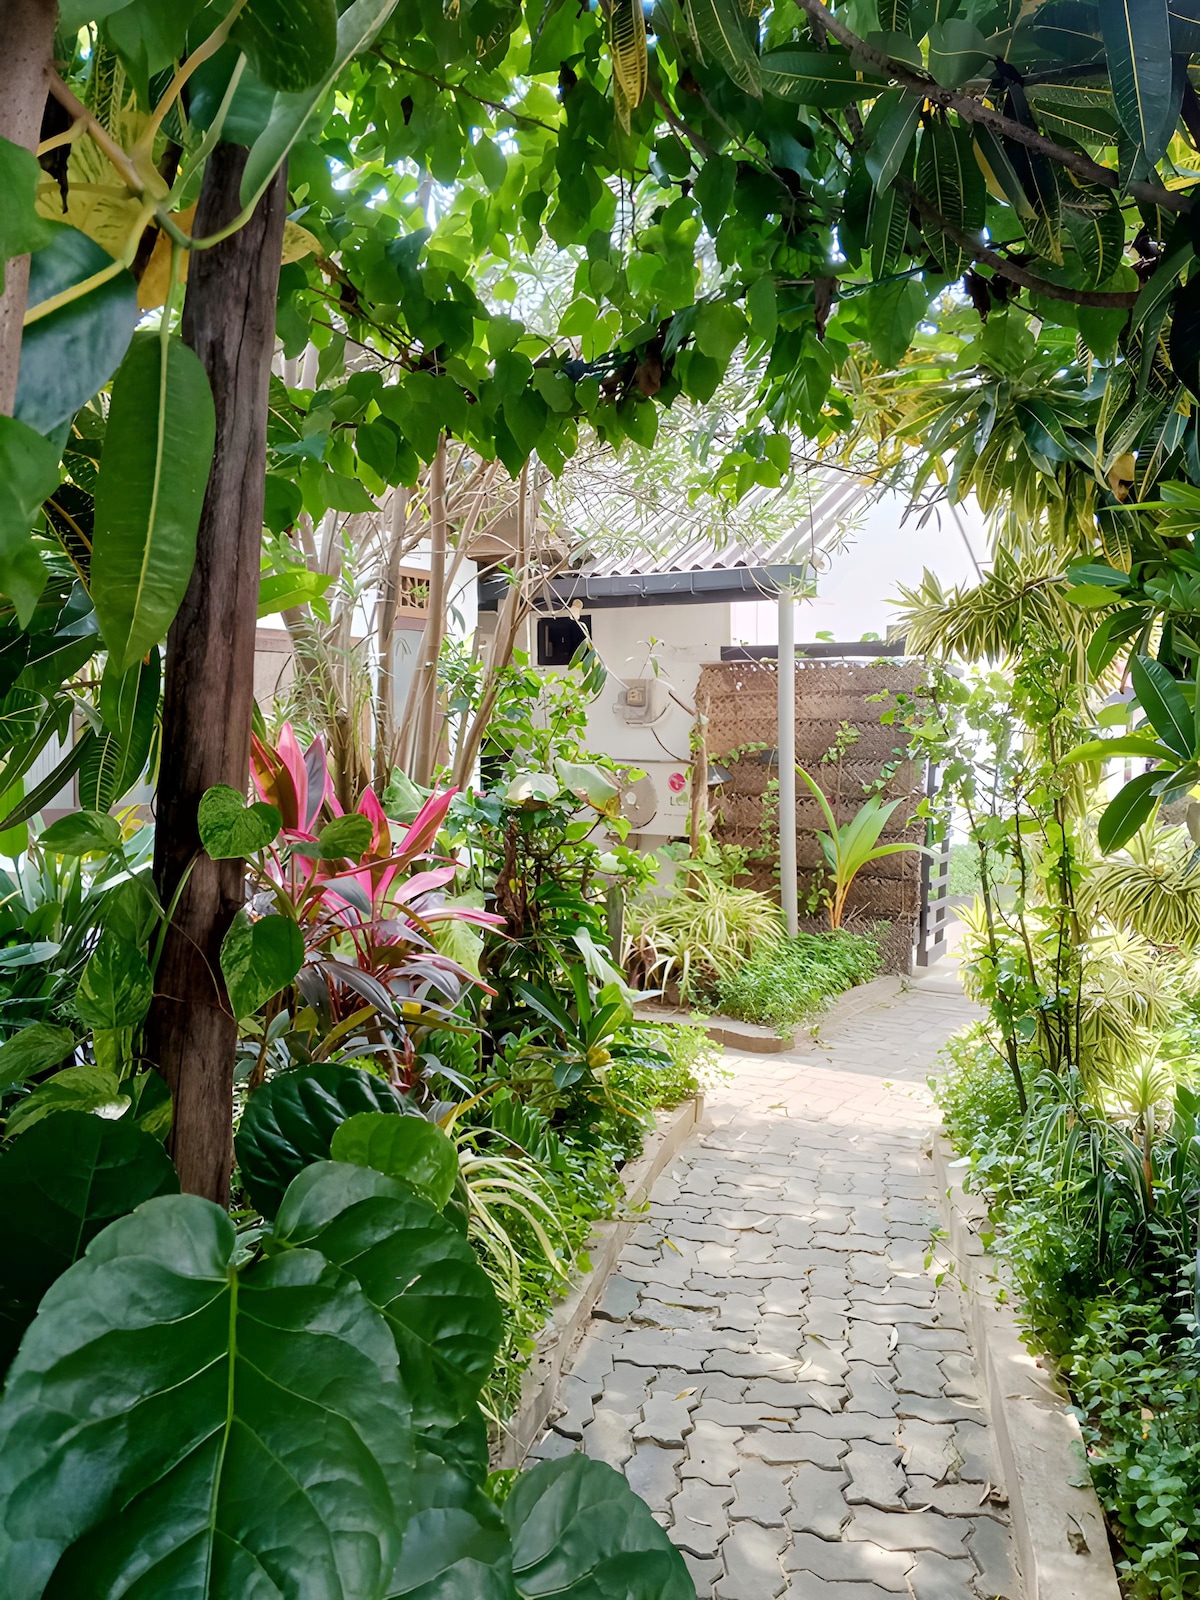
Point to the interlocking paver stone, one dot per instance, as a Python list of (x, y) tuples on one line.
[(666, 1420), (775, 1366), (760, 1493), (652, 1472), (842, 1561), (699, 1520), (875, 1476), (751, 1559)]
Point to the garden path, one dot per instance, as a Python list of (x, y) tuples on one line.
[(773, 1366)]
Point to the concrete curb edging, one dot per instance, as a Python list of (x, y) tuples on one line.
[(539, 1389), (751, 1038), (1058, 1528)]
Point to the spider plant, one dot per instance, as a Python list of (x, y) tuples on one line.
[(704, 928)]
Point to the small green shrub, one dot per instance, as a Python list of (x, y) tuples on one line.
[(789, 980)]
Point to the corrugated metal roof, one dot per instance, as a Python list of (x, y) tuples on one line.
[(836, 498)]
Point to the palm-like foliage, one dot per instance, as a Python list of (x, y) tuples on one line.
[(1153, 890), (848, 847)]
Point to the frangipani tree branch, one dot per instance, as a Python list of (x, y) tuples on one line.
[(972, 110)]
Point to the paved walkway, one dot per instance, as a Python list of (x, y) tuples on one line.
[(774, 1367)]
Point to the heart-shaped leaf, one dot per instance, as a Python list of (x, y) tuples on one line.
[(117, 985), (68, 355), (259, 959), (230, 829), (402, 1147), (83, 833), (345, 836), (59, 1185), (579, 1532), (87, 1088), (232, 1429), (419, 1271), (289, 1123), (33, 1050)]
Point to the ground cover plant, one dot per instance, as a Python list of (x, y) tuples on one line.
[(789, 982)]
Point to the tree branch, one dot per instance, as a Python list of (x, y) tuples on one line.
[(972, 110), (1100, 299)]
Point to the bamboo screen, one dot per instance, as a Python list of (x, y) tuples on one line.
[(739, 699)]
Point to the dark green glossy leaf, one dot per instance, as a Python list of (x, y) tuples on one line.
[(948, 176), (31, 1051), (1128, 812), (234, 1431), (1161, 698), (291, 44), (419, 1271), (116, 986), (891, 135), (814, 77), (230, 829), (28, 474), (456, 1546), (258, 959), (1137, 40), (66, 1179), (579, 1532), (290, 1121), (21, 228), (402, 1147), (153, 474), (728, 37), (356, 27), (67, 356)]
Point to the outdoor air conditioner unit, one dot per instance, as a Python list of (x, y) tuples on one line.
[(660, 802)]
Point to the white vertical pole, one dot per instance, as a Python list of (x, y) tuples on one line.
[(786, 740)]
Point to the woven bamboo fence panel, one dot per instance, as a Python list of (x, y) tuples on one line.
[(739, 698)]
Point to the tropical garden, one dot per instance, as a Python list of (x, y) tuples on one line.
[(314, 1085)]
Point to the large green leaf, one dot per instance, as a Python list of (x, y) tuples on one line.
[(456, 1546), (178, 1424), (1128, 812), (153, 474), (291, 44), (70, 354), (580, 1533), (957, 51), (28, 474), (258, 959), (21, 228), (813, 77), (419, 1271), (948, 176), (402, 1147), (290, 1121), (66, 1179), (725, 34), (1161, 698), (82, 833), (116, 986), (31, 1051), (1137, 40), (356, 27), (891, 134), (229, 828), (86, 1088), (117, 758), (1093, 218)]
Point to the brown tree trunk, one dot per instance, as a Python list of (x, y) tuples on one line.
[(27, 42), (229, 320)]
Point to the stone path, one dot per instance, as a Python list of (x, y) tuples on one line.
[(773, 1366)]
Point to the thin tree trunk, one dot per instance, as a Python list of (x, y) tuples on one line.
[(425, 686), (385, 691), (229, 320), (27, 40)]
